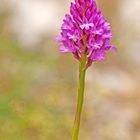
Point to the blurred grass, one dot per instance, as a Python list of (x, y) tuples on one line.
[(24, 114)]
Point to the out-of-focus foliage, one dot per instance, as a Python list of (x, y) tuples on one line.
[(38, 85)]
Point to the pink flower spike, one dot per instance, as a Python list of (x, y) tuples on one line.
[(86, 31)]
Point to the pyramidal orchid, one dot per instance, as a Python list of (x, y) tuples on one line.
[(86, 34)]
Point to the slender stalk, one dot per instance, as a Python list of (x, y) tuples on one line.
[(82, 71)]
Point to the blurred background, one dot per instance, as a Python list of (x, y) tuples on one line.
[(38, 84)]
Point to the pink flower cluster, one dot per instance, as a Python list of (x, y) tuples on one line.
[(85, 31)]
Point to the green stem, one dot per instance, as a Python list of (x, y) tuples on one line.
[(82, 71)]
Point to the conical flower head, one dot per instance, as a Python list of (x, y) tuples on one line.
[(85, 31)]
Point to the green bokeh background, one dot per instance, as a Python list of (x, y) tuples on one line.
[(38, 86)]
